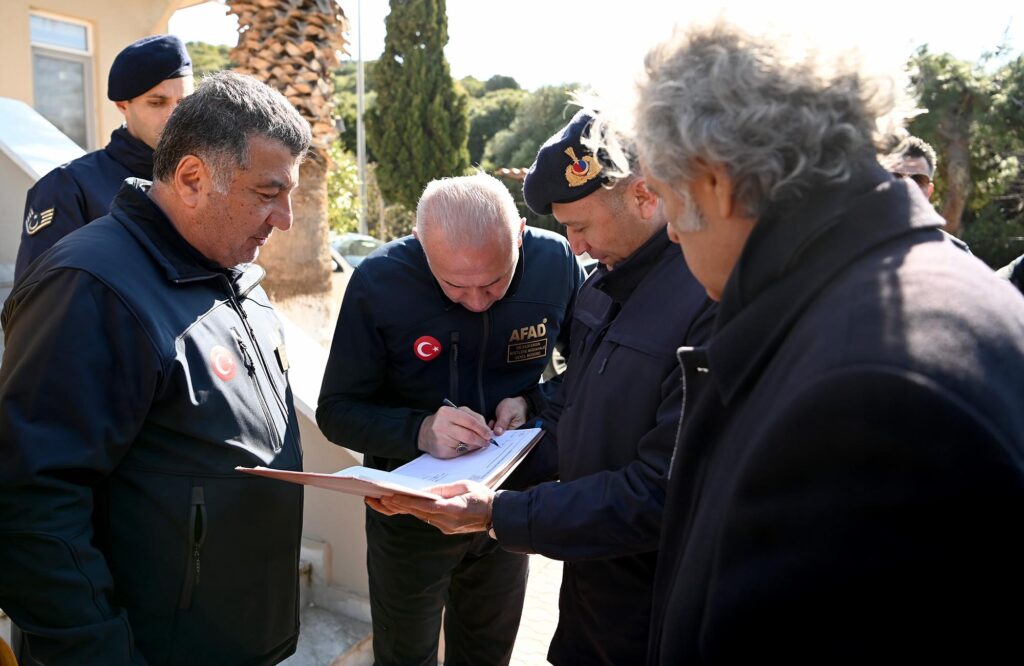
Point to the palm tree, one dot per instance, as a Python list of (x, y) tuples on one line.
[(293, 46)]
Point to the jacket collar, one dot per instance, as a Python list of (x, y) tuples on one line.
[(180, 262), (791, 256), (621, 282), (131, 153)]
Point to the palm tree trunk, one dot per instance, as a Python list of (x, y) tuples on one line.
[(293, 45)]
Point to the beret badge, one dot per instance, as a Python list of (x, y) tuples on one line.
[(581, 171)]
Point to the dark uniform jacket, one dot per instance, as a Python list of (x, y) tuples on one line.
[(401, 346), (79, 192), (134, 380), (615, 422), (849, 485), (1014, 272)]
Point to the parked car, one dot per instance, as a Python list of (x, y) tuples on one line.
[(351, 249)]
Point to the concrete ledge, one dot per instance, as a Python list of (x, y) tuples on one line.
[(316, 554), (336, 627)]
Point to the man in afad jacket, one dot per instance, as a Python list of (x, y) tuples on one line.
[(612, 427), (467, 310), (143, 363)]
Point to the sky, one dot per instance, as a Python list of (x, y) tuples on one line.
[(601, 43)]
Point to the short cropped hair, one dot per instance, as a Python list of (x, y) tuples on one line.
[(218, 120), (914, 147), (779, 127), (467, 211)]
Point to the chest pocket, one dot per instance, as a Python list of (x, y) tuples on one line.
[(236, 392)]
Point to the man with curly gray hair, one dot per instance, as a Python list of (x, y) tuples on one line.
[(851, 482)]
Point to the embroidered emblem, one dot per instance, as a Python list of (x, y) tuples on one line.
[(35, 221), (426, 348), (528, 343), (581, 171), (223, 364)]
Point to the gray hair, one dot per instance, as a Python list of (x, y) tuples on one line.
[(779, 127), (217, 121), (467, 211)]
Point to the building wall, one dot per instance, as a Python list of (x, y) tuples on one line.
[(14, 182), (113, 25)]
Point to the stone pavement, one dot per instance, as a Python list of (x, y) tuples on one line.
[(540, 612)]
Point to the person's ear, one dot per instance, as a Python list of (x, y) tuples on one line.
[(123, 108), (646, 200), (522, 227), (716, 184), (191, 180)]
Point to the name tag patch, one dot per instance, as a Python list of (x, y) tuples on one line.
[(527, 351), (282, 357)]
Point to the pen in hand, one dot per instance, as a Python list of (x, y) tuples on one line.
[(449, 403)]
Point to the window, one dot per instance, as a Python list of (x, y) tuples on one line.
[(62, 75)]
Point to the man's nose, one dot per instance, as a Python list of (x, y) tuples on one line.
[(477, 301), (577, 244), (281, 216)]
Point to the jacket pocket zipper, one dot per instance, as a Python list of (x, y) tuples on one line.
[(453, 369), (250, 367), (196, 536)]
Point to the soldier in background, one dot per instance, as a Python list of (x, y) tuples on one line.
[(146, 81)]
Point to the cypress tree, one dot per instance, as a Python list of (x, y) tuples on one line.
[(417, 128)]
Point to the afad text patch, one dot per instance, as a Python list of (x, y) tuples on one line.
[(528, 343)]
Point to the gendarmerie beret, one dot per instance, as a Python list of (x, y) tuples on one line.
[(565, 170), (144, 64)]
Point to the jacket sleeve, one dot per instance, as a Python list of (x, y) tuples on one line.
[(77, 379), (353, 409), (56, 200), (609, 514), (877, 514)]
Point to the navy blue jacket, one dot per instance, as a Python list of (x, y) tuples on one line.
[(79, 192), (377, 390), (135, 378), (849, 483), (614, 425)]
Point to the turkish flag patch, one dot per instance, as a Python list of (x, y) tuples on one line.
[(426, 348), (223, 364)]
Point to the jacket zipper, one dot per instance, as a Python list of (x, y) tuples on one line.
[(480, 363), (453, 369), (263, 362), (250, 366), (196, 536), (681, 354)]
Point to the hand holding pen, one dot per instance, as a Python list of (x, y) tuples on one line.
[(462, 448), (452, 431)]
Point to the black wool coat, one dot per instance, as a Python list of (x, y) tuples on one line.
[(849, 485)]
